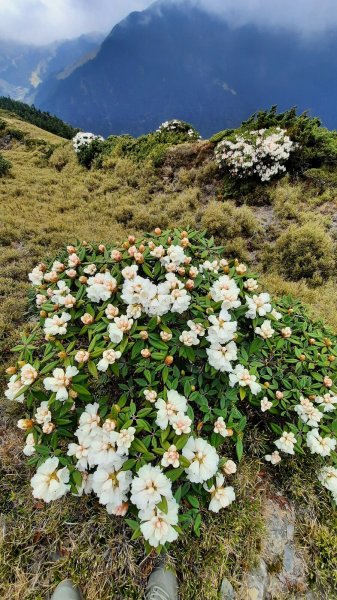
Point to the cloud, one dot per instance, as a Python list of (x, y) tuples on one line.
[(42, 21), (304, 16)]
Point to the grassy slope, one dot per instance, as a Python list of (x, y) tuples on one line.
[(47, 202)]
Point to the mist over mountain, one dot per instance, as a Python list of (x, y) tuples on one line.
[(178, 61), (23, 67)]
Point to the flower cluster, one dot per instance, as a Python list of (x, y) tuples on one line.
[(137, 378), (177, 126), (261, 153), (82, 139)]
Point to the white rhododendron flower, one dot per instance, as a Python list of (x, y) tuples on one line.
[(258, 305), (242, 377), (43, 414), (149, 486), (157, 526), (125, 438), (328, 402), (286, 442), (109, 358), (13, 389), (203, 459), (277, 315), (104, 449), (174, 255), (222, 329), (221, 496), (265, 404), (308, 413), (226, 291), (273, 458), (60, 382), (220, 427), (120, 326), (111, 485), (57, 325), (168, 409), (101, 287), (50, 482), (150, 395), (251, 285), (171, 457), (197, 328), (29, 448), (181, 423), (36, 276), (286, 332), (265, 331), (229, 467), (328, 478), (189, 338), (318, 444), (89, 419), (221, 357), (28, 374), (90, 269)]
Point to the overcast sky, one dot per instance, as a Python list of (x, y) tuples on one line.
[(42, 21)]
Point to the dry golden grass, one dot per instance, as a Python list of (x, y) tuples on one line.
[(46, 203)]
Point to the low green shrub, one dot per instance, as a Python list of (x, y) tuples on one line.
[(5, 166), (226, 221), (304, 252)]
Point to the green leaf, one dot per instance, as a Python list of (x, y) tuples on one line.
[(139, 446), (163, 505), (129, 464), (196, 526), (92, 369), (77, 477), (193, 501), (239, 448), (81, 390), (133, 524), (174, 474)]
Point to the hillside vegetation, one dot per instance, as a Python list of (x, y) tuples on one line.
[(286, 230), (37, 117)]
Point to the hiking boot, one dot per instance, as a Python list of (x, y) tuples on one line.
[(66, 590), (162, 585)]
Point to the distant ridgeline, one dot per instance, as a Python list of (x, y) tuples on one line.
[(41, 119)]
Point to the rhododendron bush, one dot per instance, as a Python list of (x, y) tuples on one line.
[(147, 364), (177, 126), (261, 153), (83, 139)]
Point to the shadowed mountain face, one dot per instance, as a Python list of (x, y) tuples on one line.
[(23, 67), (174, 61)]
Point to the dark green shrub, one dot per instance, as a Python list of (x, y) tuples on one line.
[(91, 154), (15, 134), (5, 166)]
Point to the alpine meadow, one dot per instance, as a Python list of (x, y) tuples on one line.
[(168, 315)]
